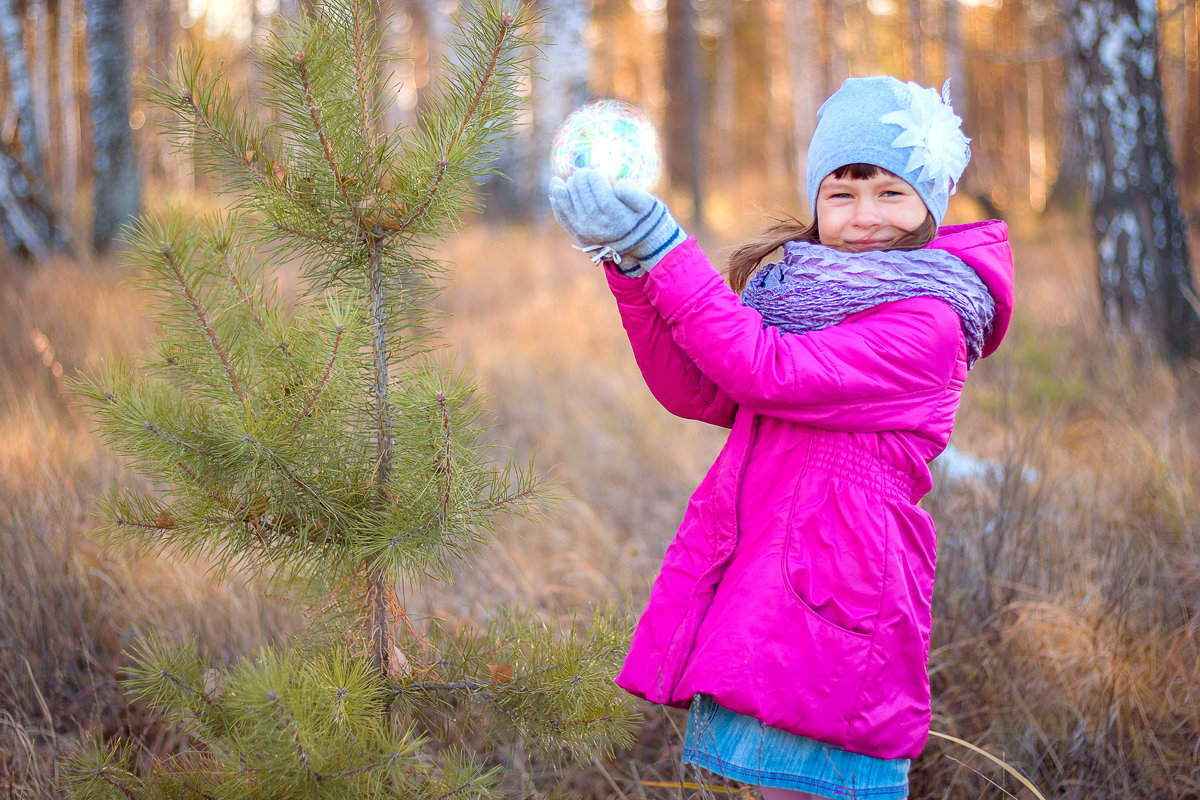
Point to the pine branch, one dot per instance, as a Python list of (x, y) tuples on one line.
[(234, 278), (299, 59), (188, 689), (106, 776), (170, 437), (210, 333), (445, 686), (386, 761), (249, 159), (459, 790), (313, 396), (446, 466), (362, 81), (157, 525), (294, 732), (469, 512), (312, 237), (277, 461), (506, 24)]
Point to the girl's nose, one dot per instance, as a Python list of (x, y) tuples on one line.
[(866, 214)]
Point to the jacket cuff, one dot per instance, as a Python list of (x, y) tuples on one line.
[(678, 277)]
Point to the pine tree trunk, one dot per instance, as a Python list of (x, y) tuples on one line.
[(1036, 139), (724, 92), (835, 59), (68, 108), (914, 39), (1145, 277), (804, 67), (378, 611), (1189, 162), (116, 190), (12, 31), (955, 69)]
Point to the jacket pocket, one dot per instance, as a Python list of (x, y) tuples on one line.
[(835, 553)]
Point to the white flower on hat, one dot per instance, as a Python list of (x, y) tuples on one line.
[(932, 130)]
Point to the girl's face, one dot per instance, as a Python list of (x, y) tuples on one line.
[(857, 214)]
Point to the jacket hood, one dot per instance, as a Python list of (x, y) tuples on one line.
[(984, 246)]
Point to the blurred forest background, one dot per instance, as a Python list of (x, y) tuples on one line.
[(1067, 635)]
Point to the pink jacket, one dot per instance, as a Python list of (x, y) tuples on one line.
[(798, 588)]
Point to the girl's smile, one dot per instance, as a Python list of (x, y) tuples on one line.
[(858, 214)]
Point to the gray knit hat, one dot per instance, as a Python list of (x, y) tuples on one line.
[(904, 128)]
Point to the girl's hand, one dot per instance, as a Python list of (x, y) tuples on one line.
[(615, 222)]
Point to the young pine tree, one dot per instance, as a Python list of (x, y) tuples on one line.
[(316, 442)]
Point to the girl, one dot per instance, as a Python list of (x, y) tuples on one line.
[(792, 611)]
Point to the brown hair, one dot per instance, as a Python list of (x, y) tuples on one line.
[(745, 260)]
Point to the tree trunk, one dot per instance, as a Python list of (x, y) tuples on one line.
[(804, 66), (1189, 179), (684, 113), (915, 41), (116, 190), (42, 96), (1145, 277), (68, 109), (835, 57), (724, 92), (519, 191), (12, 31), (433, 18), (567, 67), (29, 228), (378, 611)]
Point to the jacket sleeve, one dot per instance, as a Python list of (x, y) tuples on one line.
[(671, 375), (886, 369)]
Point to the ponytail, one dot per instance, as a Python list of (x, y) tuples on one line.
[(744, 261)]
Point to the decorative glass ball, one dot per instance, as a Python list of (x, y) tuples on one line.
[(610, 136)]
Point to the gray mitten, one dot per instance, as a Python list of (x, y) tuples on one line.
[(614, 222)]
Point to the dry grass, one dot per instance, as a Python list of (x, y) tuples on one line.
[(1067, 637)]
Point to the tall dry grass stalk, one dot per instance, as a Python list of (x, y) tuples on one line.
[(1067, 627)]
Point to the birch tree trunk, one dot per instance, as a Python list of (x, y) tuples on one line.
[(28, 228), (116, 190), (524, 159), (1145, 278), (566, 67), (42, 95)]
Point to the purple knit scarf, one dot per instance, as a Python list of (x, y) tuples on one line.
[(815, 286)]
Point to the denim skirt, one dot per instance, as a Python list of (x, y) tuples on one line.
[(743, 749)]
